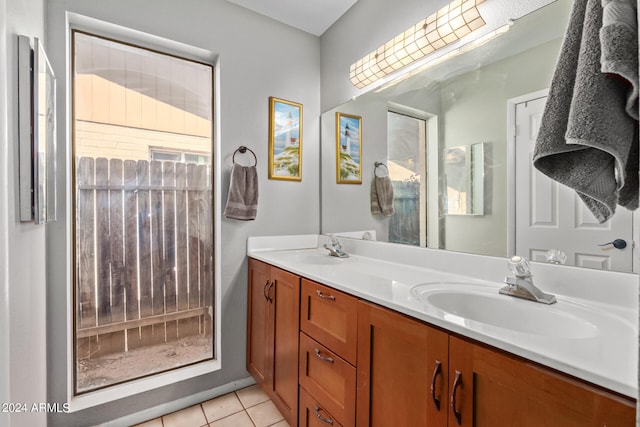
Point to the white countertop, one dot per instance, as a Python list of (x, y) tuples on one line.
[(607, 357)]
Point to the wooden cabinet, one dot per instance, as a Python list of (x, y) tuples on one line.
[(272, 334), (402, 370), (326, 358), (328, 339), (259, 323), (497, 389), (400, 380)]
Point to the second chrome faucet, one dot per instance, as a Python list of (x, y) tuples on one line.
[(335, 248), (521, 285)]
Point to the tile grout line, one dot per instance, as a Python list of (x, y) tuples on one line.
[(244, 409)]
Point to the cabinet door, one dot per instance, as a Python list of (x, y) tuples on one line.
[(402, 365), (496, 389), (330, 317), (259, 324), (285, 295)]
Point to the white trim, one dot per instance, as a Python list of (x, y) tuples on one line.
[(76, 403), (5, 325), (109, 394), (394, 107), (511, 163), (107, 29), (635, 232)]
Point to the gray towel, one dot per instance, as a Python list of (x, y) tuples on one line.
[(382, 196), (242, 201), (586, 139), (619, 43)]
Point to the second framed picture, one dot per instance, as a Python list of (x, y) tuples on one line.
[(285, 140), (348, 149)]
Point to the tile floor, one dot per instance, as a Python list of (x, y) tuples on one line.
[(248, 407)]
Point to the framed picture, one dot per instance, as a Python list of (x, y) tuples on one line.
[(348, 149), (285, 140)]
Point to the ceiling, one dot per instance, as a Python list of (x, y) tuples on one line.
[(312, 16)]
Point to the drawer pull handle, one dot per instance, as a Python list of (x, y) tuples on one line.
[(437, 371), (324, 358), (323, 296), (456, 383), (321, 418)]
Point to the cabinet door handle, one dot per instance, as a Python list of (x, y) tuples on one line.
[(323, 296), (321, 418), (264, 290), (437, 371), (457, 382), (271, 285), (324, 358)]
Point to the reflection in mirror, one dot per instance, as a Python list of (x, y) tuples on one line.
[(414, 124), (406, 136), (464, 179)]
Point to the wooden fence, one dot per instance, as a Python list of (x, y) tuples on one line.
[(404, 226), (144, 253)]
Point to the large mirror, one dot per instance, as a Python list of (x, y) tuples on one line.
[(456, 140)]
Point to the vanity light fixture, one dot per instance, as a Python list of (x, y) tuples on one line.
[(449, 24), (462, 49)]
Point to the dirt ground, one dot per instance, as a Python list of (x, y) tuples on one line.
[(114, 368)]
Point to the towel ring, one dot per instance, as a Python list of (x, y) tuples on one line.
[(375, 169), (242, 149)]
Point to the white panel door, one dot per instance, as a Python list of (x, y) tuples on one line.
[(551, 216)]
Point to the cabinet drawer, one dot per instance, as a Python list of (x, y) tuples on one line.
[(330, 317), (328, 378), (313, 414)]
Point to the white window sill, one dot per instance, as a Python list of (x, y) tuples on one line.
[(130, 388)]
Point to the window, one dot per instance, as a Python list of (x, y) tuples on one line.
[(177, 156), (406, 143), (143, 223)]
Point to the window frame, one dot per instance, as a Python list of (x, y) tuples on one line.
[(164, 46), (182, 154)]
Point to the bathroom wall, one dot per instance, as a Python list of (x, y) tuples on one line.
[(22, 246), (258, 58)]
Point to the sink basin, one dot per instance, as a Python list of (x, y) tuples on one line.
[(468, 303), (313, 257), (317, 259)]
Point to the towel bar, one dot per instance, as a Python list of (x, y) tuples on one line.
[(376, 165), (242, 149)]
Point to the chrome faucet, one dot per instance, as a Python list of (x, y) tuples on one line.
[(335, 248), (521, 285)]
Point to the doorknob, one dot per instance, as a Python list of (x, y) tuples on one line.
[(618, 244)]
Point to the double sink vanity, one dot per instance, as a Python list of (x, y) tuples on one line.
[(414, 337)]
